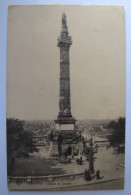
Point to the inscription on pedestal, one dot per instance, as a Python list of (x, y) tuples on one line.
[(64, 127)]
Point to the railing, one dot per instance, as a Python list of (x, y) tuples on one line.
[(42, 179)]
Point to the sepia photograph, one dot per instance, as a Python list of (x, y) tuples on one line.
[(66, 97)]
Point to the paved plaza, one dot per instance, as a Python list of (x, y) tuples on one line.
[(110, 164)]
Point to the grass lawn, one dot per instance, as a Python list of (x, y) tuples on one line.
[(34, 166)]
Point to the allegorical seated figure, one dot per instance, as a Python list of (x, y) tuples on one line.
[(66, 111)]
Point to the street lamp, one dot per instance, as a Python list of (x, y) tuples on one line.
[(91, 159)]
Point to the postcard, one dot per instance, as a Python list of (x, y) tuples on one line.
[(66, 97)]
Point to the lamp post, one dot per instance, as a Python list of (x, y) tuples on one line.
[(91, 159)]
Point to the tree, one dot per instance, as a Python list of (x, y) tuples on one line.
[(19, 141), (117, 136), (112, 125)]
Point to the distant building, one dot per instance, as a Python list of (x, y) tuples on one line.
[(39, 140)]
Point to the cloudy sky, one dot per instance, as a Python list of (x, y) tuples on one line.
[(97, 61)]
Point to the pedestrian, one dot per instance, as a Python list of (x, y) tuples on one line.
[(87, 176), (98, 174), (80, 160), (77, 160)]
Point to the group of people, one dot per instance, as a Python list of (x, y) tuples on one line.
[(87, 176)]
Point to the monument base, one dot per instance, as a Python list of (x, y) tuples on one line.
[(64, 123), (71, 141)]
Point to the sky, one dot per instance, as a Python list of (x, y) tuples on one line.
[(97, 61)]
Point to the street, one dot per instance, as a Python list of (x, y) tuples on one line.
[(108, 185)]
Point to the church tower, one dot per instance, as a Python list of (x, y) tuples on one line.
[(65, 122)]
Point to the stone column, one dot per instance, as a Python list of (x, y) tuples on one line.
[(64, 43)]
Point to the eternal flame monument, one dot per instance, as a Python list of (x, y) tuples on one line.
[(65, 123)]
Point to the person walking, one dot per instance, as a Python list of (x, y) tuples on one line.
[(98, 174), (77, 160), (81, 160)]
